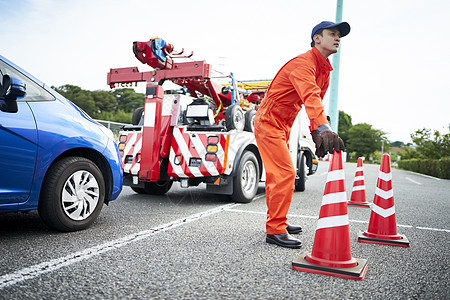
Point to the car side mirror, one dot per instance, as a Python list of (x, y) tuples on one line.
[(13, 89)]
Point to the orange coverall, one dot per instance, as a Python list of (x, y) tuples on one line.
[(301, 81)]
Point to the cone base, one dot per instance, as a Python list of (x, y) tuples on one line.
[(330, 263), (354, 273), (362, 204), (403, 242)]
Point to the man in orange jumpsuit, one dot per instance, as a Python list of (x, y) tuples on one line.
[(301, 81)]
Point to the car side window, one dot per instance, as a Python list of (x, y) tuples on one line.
[(35, 92)]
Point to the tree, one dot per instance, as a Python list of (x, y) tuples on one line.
[(119, 116), (365, 140), (345, 123), (80, 97), (430, 146), (116, 106), (128, 100), (104, 101), (397, 144)]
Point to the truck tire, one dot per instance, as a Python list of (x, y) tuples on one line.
[(245, 184), (154, 188), (138, 190), (234, 118), (250, 120), (137, 116), (300, 182), (72, 194)]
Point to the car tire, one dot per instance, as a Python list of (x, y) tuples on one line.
[(300, 182), (250, 120), (245, 183), (72, 194), (234, 118)]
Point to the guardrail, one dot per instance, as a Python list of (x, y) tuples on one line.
[(114, 126)]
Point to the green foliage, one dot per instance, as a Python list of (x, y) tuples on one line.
[(434, 167), (409, 153), (364, 140), (105, 101), (431, 146), (120, 116), (397, 144), (444, 168), (114, 106), (431, 156), (128, 100), (345, 123), (80, 97)]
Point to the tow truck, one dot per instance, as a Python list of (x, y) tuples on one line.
[(203, 134)]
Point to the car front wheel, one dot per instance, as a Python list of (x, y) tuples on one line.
[(72, 194)]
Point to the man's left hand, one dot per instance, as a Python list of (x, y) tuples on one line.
[(331, 140), (326, 142)]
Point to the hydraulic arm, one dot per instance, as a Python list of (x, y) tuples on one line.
[(194, 75)]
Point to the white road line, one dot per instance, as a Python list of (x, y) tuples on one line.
[(351, 221), (259, 197), (405, 226), (55, 264), (246, 211), (433, 229), (413, 181)]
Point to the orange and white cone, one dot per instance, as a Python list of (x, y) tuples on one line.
[(358, 197), (383, 225), (331, 254)]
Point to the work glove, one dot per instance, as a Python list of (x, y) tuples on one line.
[(326, 140)]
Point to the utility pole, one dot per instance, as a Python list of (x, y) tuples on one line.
[(333, 111)]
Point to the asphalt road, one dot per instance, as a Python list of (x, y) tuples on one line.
[(192, 245)]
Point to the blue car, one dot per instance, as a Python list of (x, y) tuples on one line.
[(53, 156)]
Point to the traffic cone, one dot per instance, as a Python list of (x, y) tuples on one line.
[(331, 254), (382, 225), (358, 197)]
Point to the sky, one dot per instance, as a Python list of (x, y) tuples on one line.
[(394, 68)]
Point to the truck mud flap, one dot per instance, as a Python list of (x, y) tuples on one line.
[(224, 187)]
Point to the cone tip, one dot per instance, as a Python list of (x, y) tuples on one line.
[(386, 163), (360, 162), (336, 161)]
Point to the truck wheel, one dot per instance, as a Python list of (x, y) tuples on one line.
[(234, 118), (138, 190), (300, 182), (245, 184), (72, 194), (250, 120), (157, 188), (137, 116)]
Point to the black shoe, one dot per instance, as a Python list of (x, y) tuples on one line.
[(292, 229), (283, 240)]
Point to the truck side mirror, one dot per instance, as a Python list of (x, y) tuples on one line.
[(12, 89)]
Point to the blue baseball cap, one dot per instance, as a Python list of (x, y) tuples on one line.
[(344, 27)]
